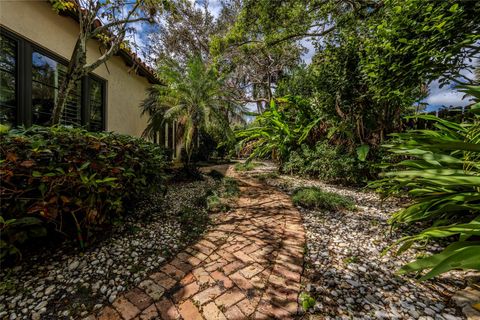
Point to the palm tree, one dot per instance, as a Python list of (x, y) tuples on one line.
[(154, 111), (192, 95)]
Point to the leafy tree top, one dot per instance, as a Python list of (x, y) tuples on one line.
[(420, 41)]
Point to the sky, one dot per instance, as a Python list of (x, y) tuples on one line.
[(215, 6), (447, 95)]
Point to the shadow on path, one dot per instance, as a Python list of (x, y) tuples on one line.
[(249, 265)]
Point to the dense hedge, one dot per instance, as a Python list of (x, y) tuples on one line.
[(72, 179), (331, 164)]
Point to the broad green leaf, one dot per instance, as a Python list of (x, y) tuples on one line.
[(362, 152)]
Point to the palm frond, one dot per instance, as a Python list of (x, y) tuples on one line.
[(192, 97)]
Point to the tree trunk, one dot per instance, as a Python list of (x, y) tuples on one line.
[(255, 96), (337, 107), (359, 125), (61, 101), (269, 88), (74, 74)]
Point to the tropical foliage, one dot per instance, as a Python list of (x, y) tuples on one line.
[(192, 96), (278, 130), (417, 41), (442, 174), (373, 60), (330, 163), (373, 64), (68, 180)]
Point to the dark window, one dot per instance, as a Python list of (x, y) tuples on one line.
[(96, 104), (38, 74), (8, 71), (47, 76)]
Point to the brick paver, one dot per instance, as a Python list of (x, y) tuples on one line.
[(248, 266)]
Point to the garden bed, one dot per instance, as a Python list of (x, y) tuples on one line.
[(64, 282)]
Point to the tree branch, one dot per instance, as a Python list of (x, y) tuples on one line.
[(107, 55), (301, 35), (127, 20), (105, 27)]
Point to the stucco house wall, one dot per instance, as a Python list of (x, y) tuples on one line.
[(38, 23)]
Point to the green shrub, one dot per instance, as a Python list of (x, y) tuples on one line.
[(18, 231), (74, 179), (219, 200), (246, 166), (332, 164), (312, 197), (215, 174), (265, 176), (229, 187)]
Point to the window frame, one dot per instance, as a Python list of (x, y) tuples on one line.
[(24, 80)]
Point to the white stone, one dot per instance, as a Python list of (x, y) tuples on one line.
[(41, 305), (49, 290), (74, 265)]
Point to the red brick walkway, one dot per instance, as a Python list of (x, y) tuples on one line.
[(247, 267)]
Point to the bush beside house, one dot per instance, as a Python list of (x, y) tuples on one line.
[(70, 180)]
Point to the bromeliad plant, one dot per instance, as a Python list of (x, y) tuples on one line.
[(277, 131), (442, 174)]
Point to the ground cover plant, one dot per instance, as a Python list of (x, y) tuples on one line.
[(316, 198), (246, 166), (266, 176), (69, 180), (221, 198)]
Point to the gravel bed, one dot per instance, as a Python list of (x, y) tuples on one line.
[(69, 284), (346, 273)]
